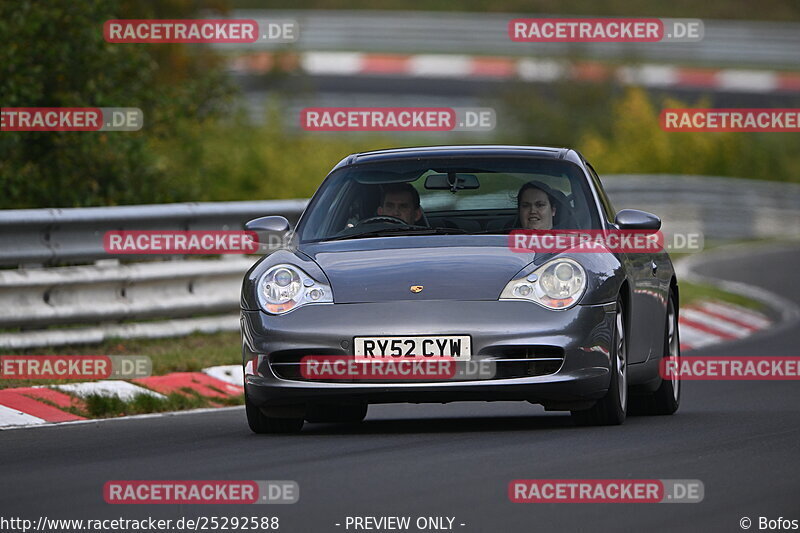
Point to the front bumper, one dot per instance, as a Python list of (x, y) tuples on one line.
[(582, 335)]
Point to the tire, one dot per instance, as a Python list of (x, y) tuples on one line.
[(611, 409), (667, 398), (260, 423), (347, 413)]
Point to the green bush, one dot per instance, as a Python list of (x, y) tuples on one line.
[(637, 144), (236, 160), (54, 55)]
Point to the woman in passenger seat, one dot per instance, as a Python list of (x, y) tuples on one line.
[(536, 206)]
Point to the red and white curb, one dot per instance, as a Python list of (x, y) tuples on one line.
[(712, 322), (25, 406), (439, 66), (701, 324)]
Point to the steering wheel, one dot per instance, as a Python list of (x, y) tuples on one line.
[(384, 218)]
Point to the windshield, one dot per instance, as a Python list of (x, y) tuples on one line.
[(463, 195)]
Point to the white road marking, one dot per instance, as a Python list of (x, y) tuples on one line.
[(739, 313), (203, 410), (697, 315), (697, 338), (747, 80), (650, 75), (13, 417), (540, 69), (323, 63), (233, 374), (121, 389), (440, 65)]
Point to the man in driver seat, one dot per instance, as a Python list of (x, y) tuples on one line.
[(401, 200)]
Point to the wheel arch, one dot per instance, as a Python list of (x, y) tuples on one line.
[(625, 294), (673, 287)]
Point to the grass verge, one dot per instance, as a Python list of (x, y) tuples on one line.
[(99, 406), (182, 354), (694, 292)]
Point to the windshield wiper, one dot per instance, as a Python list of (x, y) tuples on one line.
[(405, 230)]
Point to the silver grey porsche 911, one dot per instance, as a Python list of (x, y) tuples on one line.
[(407, 257)]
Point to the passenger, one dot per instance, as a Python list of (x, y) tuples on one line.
[(536, 206)]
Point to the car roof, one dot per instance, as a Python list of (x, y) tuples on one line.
[(479, 150)]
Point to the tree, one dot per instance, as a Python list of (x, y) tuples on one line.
[(54, 55)]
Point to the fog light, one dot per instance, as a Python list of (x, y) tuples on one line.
[(314, 294)]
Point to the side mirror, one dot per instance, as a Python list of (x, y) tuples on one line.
[(272, 224), (270, 231), (635, 219)]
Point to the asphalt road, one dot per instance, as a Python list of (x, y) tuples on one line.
[(741, 439)]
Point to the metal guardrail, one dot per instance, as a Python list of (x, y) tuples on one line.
[(169, 298), (107, 295), (725, 42), (75, 235), (719, 208), (110, 292)]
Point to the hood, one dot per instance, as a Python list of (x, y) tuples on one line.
[(447, 267)]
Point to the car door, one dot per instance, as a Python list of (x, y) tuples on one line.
[(644, 286)]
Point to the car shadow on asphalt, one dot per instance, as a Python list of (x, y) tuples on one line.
[(443, 425), (477, 424)]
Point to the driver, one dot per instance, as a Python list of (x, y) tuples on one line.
[(401, 200)]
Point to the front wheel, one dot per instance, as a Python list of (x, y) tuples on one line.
[(260, 423), (344, 413), (667, 398), (611, 409)]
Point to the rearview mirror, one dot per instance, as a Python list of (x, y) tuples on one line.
[(451, 182), (635, 219)]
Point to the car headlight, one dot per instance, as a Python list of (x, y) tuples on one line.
[(557, 284), (286, 287)]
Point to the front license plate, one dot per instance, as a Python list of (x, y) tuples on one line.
[(392, 348)]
